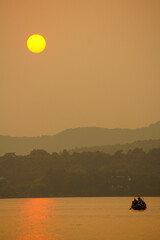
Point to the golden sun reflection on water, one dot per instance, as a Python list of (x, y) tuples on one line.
[(34, 220)]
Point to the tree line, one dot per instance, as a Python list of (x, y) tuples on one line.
[(41, 174)]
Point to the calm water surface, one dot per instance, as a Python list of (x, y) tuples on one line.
[(78, 219)]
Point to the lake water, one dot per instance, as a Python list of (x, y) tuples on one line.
[(78, 219)]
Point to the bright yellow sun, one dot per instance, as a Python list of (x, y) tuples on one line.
[(36, 43)]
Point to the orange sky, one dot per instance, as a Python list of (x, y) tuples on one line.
[(100, 67)]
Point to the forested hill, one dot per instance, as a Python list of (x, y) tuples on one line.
[(41, 174), (78, 137), (146, 145)]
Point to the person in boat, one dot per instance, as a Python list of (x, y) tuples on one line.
[(134, 202), (138, 203), (140, 200)]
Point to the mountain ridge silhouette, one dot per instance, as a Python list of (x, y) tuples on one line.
[(77, 138)]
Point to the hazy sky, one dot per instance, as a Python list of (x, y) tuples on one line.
[(101, 66)]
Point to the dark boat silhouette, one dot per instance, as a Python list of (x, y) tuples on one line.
[(138, 204)]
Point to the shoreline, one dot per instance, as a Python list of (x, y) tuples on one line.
[(73, 196)]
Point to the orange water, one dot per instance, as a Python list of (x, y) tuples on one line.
[(78, 219)]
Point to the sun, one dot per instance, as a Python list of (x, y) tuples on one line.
[(36, 43)]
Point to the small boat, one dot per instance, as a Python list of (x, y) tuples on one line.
[(138, 204)]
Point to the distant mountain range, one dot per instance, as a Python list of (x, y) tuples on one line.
[(78, 138)]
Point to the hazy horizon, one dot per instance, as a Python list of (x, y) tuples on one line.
[(81, 127), (100, 67)]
